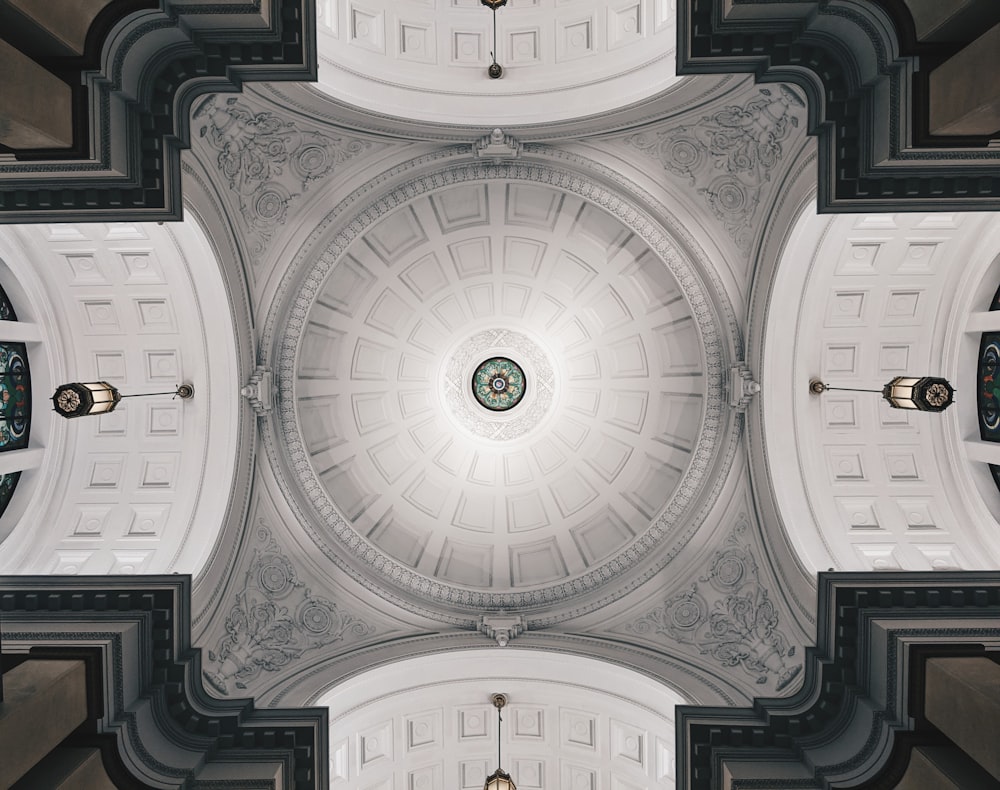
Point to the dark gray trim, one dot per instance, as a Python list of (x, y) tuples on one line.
[(155, 64), (39, 609), (839, 698), (863, 98)]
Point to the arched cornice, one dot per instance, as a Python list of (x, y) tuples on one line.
[(203, 200), (846, 56), (153, 65), (164, 727), (839, 730), (679, 672)]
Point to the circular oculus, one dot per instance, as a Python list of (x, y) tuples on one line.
[(498, 384)]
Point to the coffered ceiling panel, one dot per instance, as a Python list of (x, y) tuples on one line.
[(124, 303)]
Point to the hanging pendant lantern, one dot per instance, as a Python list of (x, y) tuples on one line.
[(82, 399), (924, 394), (495, 70), (79, 399), (499, 779), (927, 393)]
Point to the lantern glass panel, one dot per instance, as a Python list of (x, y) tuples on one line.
[(80, 399)]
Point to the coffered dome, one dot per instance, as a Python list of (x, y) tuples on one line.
[(602, 460)]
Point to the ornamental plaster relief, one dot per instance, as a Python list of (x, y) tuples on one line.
[(268, 163), (730, 155), (727, 615), (276, 619)]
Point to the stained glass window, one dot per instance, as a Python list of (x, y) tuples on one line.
[(8, 483), (15, 396), (6, 308)]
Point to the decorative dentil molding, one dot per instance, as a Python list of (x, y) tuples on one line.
[(501, 627), (742, 386), (259, 391), (269, 162), (727, 614), (275, 620), (729, 155), (498, 146)]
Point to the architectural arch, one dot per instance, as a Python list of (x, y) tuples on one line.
[(568, 719), (133, 304)]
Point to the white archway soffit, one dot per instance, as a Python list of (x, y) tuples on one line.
[(571, 722), (427, 60), (137, 305), (876, 296)]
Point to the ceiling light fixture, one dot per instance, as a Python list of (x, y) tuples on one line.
[(81, 399), (499, 779), (495, 70), (928, 393)]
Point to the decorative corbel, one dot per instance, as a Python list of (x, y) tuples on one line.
[(259, 391), (742, 387), (498, 146), (501, 627)]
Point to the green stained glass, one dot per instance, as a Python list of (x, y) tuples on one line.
[(6, 308), (498, 384), (8, 483), (15, 396)]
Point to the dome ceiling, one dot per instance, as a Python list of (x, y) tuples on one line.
[(427, 59), (602, 458)]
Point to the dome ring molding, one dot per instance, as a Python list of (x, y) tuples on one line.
[(696, 493)]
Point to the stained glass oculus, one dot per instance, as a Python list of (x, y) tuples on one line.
[(988, 395), (8, 483), (15, 396), (6, 308), (498, 384)]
